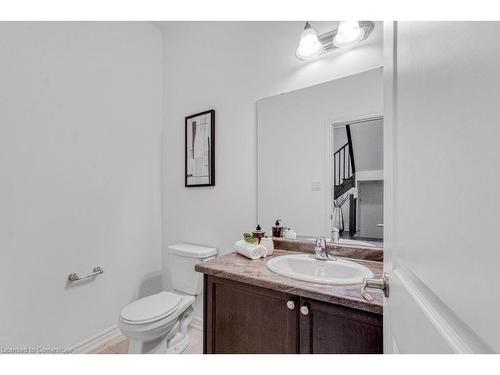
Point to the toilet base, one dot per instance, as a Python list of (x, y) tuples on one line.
[(141, 347), (175, 341), (180, 347)]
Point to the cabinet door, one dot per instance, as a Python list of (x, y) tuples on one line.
[(333, 329), (240, 318)]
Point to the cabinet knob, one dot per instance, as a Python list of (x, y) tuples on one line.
[(290, 304), (304, 310)]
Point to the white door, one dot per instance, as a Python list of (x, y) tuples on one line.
[(442, 187)]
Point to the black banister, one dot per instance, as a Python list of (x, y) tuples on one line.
[(349, 142), (339, 166), (343, 164), (343, 170), (343, 167)]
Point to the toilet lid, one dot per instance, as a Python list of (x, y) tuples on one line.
[(151, 308)]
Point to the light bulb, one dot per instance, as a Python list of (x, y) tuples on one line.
[(309, 44), (348, 34)]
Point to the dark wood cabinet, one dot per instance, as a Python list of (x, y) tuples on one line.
[(333, 329), (241, 318)]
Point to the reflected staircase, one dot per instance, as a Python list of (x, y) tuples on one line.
[(344, 171)]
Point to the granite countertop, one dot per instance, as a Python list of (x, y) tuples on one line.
[(236, 267)]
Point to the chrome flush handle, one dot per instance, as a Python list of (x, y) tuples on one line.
[(381, 284)]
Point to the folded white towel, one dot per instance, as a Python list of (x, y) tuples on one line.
[(249, 250)]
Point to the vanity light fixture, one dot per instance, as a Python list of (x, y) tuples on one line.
[(348, 34), (309, 44)]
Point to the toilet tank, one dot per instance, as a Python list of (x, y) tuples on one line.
[(181, 261)]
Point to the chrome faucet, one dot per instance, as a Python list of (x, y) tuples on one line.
[(320, 252)]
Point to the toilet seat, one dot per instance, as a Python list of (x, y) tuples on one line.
[(152, 308)]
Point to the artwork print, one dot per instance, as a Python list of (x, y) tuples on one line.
[(199, 148)]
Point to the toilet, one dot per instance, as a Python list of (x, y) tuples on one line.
[(159, 323)]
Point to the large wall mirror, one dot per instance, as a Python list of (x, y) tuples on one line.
[(320, 159)]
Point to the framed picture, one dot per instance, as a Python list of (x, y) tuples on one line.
[(199, 149)]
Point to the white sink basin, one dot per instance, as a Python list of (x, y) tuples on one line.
[(304, 267)]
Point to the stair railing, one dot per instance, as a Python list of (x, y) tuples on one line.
[(342, 165), (343, 161)]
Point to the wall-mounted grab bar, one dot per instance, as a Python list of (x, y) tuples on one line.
[(96, 271)]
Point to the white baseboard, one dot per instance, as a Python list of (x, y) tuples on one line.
[(197, 323), (96, 341)]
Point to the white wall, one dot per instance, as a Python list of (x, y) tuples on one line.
[(228, 66), (370, 208), (80, 154), (367, 138), (368, 144), (443, 211), (293, 148)]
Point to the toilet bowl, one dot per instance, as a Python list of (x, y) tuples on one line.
[(159, 323)]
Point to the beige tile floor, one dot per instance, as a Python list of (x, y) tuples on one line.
[(119, 345)]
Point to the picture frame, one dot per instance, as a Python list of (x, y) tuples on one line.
[(199, 149)]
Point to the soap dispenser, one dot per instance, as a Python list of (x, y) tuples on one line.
[(277, 229), (258, 233)]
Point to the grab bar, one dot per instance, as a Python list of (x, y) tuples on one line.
[(96, 271)]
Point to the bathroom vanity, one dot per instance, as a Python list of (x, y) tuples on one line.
[(249, 309)]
